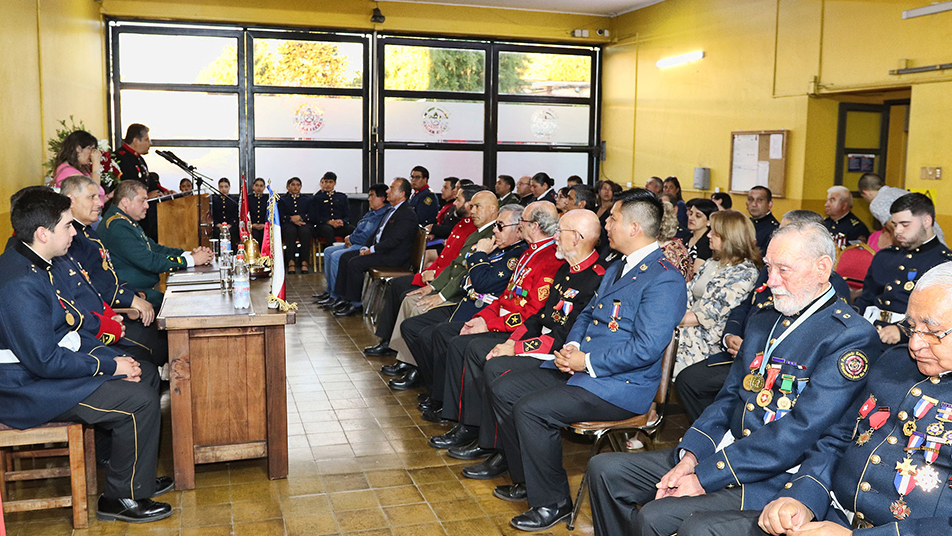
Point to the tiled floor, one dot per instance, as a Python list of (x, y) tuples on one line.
[(359, 461)]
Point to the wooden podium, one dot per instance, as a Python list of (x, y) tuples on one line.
[(178, 220)]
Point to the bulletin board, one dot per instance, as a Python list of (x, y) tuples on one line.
[(758, 158)]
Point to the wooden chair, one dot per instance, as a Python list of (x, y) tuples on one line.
[(318, 244), (852, 264), (378, 278), (81, 481), (646, 424)]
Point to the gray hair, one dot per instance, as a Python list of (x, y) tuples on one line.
[(515, 209), (842, 192), (817, 240), (937, 276), (547, 221), (74, 184), (801, 216)]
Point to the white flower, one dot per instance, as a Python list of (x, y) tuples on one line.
[(104, 145)]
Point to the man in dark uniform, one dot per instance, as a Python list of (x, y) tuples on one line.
[(840, 220), (505, 190), (895, 270), (133, 167), (136, 257), (225, 210), (292, 208), (608, 369), (258, 210), (388, 247), (329, 211), (524, 190), (423, 201), (885, 466), (759, 203), (699, 383), (51, 370), (801, 363), (542, 333)]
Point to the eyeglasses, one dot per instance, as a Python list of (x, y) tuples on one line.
[(929, 337), (570, 231), (500, 226), (526, 221)]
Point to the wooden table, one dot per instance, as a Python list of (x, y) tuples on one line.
[(227, 379)]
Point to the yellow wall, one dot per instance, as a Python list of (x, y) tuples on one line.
[(772, 65), (52, 66)]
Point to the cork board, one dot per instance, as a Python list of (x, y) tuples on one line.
[(758, 158)]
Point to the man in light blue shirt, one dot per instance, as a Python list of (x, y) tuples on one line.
[(377, 198)]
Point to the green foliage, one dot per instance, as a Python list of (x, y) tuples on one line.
[(54, 143), (457, 70), (291, 63), (512, 70), (407, 68)]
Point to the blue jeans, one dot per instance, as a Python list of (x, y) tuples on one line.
[(331, 259)]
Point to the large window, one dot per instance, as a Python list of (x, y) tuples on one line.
[(274, 103)]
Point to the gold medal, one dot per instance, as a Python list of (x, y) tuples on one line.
[(747, 382), (909, 428), (757, 382), (864, 437), (69, 318), (909, 285), (105, 265), (764, 398), (783, 402), (613, 325)]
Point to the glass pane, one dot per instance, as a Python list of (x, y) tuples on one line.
[(863, 130), (215, 162), (859, 163), (283, 62), (434, 69), (305, 117), (434, 120), (181, 114), (543, 124), (178, 59), (563, 75), (462, 164), (559, 166), (280, 164)]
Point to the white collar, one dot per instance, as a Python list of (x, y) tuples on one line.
[(483, 228), (638, 255)]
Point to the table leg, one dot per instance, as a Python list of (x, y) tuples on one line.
[(277, 402), (180, 387)]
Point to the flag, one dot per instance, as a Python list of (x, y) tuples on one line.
[(275, 250), (244, 218)]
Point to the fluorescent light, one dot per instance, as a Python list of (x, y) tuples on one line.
[(936, 7), (674, 61)]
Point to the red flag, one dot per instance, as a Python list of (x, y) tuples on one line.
[(244, 218)]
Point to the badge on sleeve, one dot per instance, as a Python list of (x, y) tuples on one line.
[(514, 320), (853, 365)]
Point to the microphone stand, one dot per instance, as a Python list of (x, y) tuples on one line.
[(199, 180)]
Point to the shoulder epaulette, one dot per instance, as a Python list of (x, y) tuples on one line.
[(598, 269), (117, 215)]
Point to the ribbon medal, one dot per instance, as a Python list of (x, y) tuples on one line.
[(944, 412), (786, 387), (910, 284), (616, 312), (876, 421), (754, 382), (905, 481), (765, 396), (922, 407)]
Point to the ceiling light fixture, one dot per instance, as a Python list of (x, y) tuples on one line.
[(675, 61)]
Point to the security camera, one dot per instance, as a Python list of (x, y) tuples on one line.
[(602, 32)]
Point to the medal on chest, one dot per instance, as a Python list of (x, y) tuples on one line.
[(615, 315), (754, 381)]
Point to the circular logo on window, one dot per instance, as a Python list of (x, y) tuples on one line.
[(436, 120), (309, 118), (544, 123)]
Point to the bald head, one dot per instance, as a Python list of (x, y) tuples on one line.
[(580, 230), (483, 208)]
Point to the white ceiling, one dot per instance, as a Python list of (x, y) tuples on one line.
[(606, 8)]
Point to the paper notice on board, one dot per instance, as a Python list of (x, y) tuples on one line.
[(776, 146), (763, 173)]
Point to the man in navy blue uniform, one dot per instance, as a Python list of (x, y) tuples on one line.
[(840, 220), (885, 467), (388, 246), (329, 212), (759, 203), (608, 369), (802, 361), (895, 270), (52, 370), (699, 383), (423, 201)]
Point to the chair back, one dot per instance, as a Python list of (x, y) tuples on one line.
[(667, 370), (418, 253), (853, 262)]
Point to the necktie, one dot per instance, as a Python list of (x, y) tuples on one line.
[(618, 275)]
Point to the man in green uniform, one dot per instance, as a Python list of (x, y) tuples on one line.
[(136, 257)]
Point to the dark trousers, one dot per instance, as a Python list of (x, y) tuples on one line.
[(350, 274), (146, 343), (620, 482), (258, 234), (698, 385), (531, 407), (130, 413), (396, 291), (426, 336), (329, 233), (291, 233), (464, 385)]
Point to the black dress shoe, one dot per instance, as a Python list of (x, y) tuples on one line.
[(435, 415), (322, 296), (304, 270), (458, 435), (131, 510), (511, 492), (407, 381), (469, 451), (330, 305), (542, 517), (487, 469), (350, 310), (163, 485), (383, 349), (398, 368), (422, 396), (325, 301), (340, 305), (429, 403)]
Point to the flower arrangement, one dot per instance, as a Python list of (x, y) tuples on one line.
[(108, 168), (54, 144)]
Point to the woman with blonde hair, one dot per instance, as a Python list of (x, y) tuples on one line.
[(722, 283)]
